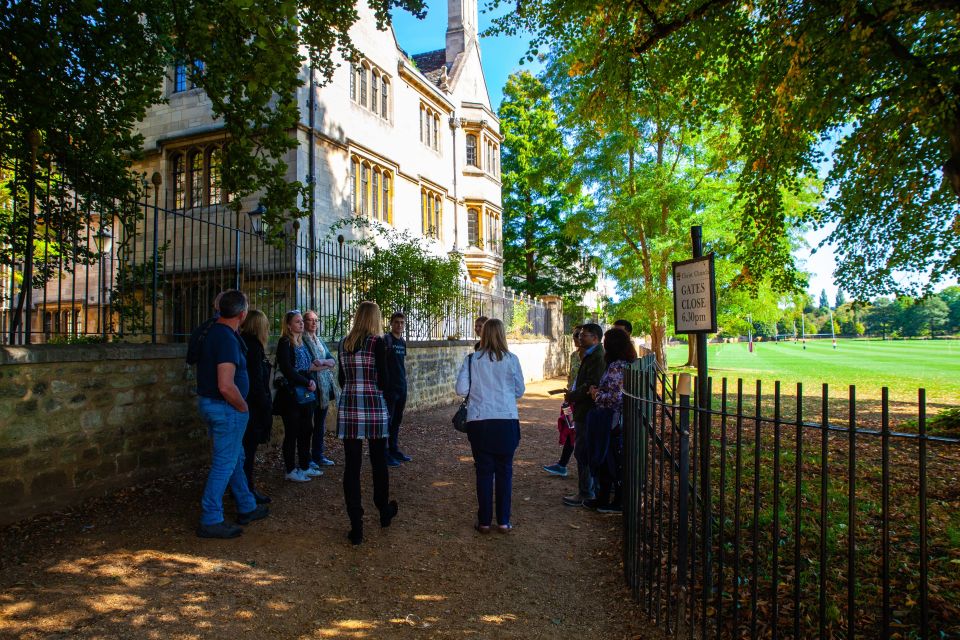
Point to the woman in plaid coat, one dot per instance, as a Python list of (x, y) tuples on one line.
[(362, 415)]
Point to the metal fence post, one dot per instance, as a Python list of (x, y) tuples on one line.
[(683, 390)]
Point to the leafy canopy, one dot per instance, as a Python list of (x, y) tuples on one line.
[(879, 82)]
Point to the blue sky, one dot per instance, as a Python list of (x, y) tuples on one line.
[(501, 57)]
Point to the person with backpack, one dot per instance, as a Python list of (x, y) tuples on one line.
[(396, 396), (296, 408)]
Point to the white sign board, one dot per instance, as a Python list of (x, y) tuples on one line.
[(694, 296)]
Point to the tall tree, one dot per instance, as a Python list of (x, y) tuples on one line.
[(824, 300), (878, 81), (840, 299), (539, 195)]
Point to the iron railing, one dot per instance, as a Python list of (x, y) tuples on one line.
[(145, 273), (765, 523)]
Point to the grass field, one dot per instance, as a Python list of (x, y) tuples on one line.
[(902, 365)]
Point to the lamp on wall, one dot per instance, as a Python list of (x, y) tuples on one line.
[(256, 220), (104, 241)]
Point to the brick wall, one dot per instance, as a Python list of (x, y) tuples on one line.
[(80, 421)]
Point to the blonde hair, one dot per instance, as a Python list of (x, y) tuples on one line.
[(367, 321), (493, 339), (285, 332), (256, 325), (315, 315)]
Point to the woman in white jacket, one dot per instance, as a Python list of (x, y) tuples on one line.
[(493, 380)]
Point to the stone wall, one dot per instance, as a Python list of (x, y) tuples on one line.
[(81, 421), (78, 421)]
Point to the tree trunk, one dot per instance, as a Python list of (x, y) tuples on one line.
[(691, 351), (658, 334)]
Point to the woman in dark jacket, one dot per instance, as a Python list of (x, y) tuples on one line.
[(254, 332), (294, 361), (362, 415)]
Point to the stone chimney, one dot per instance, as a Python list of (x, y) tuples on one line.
[(462, 18)]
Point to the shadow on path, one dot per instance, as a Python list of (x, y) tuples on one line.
[(130, 565)]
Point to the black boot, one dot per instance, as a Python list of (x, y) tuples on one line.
[(387, 514), (355, 535)]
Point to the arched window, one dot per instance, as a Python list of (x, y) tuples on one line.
[(363, 85), (375, 193), (436, 132), (473, 227), (179, 181), (428, 137), (214, 190), (386, 197), (353, 82), (179, 78), (365, 189), (196, 179), (375, 90), (355, 184), (423, 120), (472, 150), (383, 97)]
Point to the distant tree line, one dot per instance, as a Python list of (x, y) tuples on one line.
[(903, 316)]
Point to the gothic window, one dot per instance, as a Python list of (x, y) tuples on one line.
[(385, 201), (363, 86), (215, 193), (179, 181), (383, 97), (436, 132), (375, 193), (431, 213), (179, 78), (365, 189), (196, 179), (375, 91), (353, 82), (472, 150), (473, 227)]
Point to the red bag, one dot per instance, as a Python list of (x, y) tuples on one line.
[(568, 433)]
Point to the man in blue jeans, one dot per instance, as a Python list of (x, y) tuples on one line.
[(222, 387)]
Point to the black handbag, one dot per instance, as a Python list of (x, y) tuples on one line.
[(460, 417)]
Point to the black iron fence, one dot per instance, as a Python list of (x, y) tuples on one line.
[(136, 271), (763, 522)]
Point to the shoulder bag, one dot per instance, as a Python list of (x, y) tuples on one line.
[(460, 417)]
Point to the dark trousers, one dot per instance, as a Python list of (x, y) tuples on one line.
[(297, 426), (494, 474), (395, 405), (565, 454), (580, 452), (317, 446), (353, 459), (610, 475)]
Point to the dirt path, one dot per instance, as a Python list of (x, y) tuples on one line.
[(131, 567)]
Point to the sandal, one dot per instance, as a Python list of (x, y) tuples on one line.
[(482, 528)]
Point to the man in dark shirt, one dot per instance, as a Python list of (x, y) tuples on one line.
[(397, 395), (222, 387), (591, 370)]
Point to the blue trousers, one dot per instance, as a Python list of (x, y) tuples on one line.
[(493, 443), (226, 427)]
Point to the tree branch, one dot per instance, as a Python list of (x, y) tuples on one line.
[(661, 30)]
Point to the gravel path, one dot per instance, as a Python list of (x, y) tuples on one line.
[(129, 566)]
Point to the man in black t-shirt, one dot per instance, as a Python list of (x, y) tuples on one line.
[(222, 387), (396, 396)]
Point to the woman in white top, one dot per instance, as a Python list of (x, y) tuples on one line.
[(493, 380)]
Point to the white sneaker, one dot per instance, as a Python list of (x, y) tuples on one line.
[(297, 476), (312, 472)]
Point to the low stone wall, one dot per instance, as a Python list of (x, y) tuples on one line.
[(80, 421)]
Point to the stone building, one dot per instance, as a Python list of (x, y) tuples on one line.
[(411, 141)]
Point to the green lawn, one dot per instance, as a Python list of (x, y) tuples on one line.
[(902, 365)]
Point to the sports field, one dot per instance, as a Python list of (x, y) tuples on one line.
[(902, 365)]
